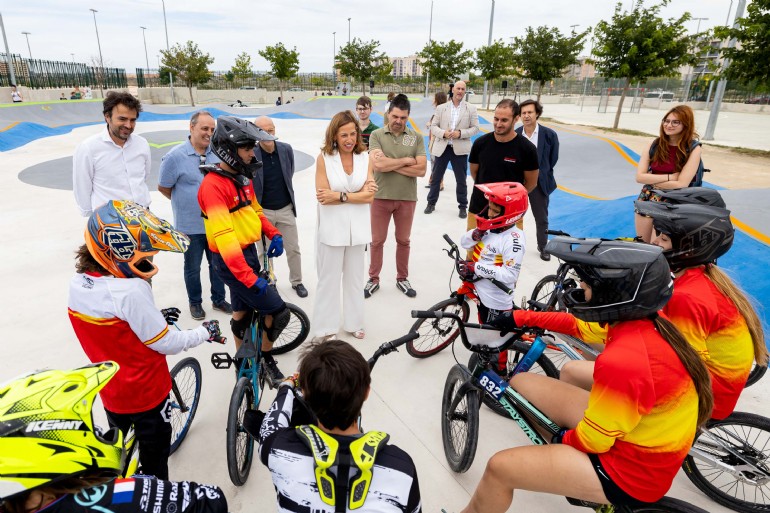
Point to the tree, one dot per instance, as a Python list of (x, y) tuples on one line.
[(445, 61), (638, 44), (363, 61), (544, 53), (750, 58), (494, 61), (242, 67), (188, 64), (284, 63)]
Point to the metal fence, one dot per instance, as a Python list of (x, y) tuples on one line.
[(39, 74)]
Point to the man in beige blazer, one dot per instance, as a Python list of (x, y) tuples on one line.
[(454, 123)]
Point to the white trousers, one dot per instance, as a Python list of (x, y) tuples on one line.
[(345, 266)]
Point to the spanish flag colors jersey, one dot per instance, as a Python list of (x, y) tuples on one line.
[(116, 319), (643, 408), (233, 220), (716, 329)]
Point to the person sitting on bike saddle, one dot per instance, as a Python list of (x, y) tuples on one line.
[(112, 310), (496, 246), (53, 458), (234, 221), (625, 440), (329, 465)]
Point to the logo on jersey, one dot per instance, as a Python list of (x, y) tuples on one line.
[(91, 496), (120, 241), (49, 425), (510, 160), (409, 140), (88, 283)]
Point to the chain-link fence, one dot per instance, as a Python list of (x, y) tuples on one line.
[(39, 74)]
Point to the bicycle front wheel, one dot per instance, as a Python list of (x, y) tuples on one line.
[(664, 505), (459, 425), (186, 383), (544, 292), (733, 466), (294, 333), (240, 446), (436, 334)]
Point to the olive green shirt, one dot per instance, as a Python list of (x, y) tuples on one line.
[(393, 185)]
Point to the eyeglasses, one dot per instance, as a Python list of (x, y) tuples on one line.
[(202, 159), (361, 109), (672, 122)]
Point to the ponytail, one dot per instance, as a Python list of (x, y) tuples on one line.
[(693, 364)]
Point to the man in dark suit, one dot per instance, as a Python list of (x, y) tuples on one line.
[(275, 193), (547, 143)]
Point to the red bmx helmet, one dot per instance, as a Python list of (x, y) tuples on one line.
[(512, 196)]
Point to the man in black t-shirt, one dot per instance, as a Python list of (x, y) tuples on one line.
[(501, 156)]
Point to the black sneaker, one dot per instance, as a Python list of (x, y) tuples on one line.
[(274, 374), (463, 213), (300, 290), (197, 312), (370, 288), (223, 306), (430, 209), (406, 288)]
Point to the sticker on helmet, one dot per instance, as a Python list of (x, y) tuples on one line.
[(119, 241)]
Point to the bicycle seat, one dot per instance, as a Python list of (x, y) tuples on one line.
[(247, 350)]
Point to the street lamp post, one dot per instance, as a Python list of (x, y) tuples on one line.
[(168, 49), (489, 43), (73, 58), (146, 56), (27, 34), (430, 38), (101, 59), (348, 30), (8, 55), (334, 59)]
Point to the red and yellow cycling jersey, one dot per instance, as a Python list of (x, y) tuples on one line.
[(643, 408), (716, 329), (233, 220)]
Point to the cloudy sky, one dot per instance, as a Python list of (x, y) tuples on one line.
[(224, 28)]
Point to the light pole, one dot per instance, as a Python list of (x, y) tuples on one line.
[(489, 43), (334, 60), (27, 34), (689, 68), (73, 58), (146, 57), (9, 58), (101, 59), (348, 30), (170, 75), (430, 38)]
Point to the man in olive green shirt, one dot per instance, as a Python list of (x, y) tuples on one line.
[(397, 157)]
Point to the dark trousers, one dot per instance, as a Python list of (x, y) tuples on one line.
[(153, 434), (245, 298), (460, 168), (538, 203), (193, 258)]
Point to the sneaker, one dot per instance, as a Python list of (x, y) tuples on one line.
[(545, 256), (463, 213), (430, 209), (197, 312), (370, 288), (300, 290), (406, 288), (223, 306), (274, 374)]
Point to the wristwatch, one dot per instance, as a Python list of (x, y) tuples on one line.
[(343, 197)]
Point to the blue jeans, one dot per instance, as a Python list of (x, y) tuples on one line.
[(193, 258)]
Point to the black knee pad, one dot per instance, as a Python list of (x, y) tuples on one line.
[(280, 321), (239, 327)]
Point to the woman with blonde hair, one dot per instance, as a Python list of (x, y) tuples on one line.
[(672, 165), (345, 188)]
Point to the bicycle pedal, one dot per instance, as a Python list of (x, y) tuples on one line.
[(221, 360)]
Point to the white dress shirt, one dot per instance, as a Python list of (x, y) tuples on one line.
[(103, 171), (533, 137)]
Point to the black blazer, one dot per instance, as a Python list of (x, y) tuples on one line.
[(547, 156), (286, 156)]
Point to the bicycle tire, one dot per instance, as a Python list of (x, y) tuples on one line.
[(459, 428), (544, 292), (294, 333), (664, 505), (757, 371), (240, 446), (436, 334), (749, 436), (187, 377)]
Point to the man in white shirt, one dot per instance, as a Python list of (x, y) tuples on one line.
[(113, 164)]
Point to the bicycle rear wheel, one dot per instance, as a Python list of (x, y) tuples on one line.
[(460, 426), (186, 383), (757, 371), (294, 333), (436, 334), (240, 446), (664, 505), (738, 476)]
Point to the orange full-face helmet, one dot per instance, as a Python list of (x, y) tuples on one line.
[(121, 235), (512, 196)]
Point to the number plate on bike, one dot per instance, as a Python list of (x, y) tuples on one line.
[(493, 384)]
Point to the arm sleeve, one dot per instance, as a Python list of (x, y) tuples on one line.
[(466, 241), (267, 227), (168, 174), (554, 149), (562, 323), (82, 179), (420, 146), (277, 418), (374, 141), (691, 319), (513, 256)]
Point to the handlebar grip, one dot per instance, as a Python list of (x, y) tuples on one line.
[(449, 241), (502, 286), (400, 341), (427, 314)]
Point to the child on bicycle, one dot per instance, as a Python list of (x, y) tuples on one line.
[(53, 458), (329, 465), (112, 310), (625, 440), (497, 247)]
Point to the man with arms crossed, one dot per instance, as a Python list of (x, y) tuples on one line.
[(397, 156)]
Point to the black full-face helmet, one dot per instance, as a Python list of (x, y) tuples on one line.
[(692, 196), (232, 133), (699, 234), (628, 280)]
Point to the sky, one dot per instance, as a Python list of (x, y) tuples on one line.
[(225, 28)]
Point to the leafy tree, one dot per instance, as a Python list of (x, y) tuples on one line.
[(445, 61), (363, 61), (543, 53), (242, 67), (188, 64), (494, 61), (638, 44), (284, 63), (750, 59)]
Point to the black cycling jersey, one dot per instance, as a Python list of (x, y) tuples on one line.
[(143, 495)]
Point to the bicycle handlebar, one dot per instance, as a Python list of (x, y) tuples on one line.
[(389, 347), (454, 252)]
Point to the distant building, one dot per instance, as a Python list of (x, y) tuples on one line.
[(406, 66), (581, 70)]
